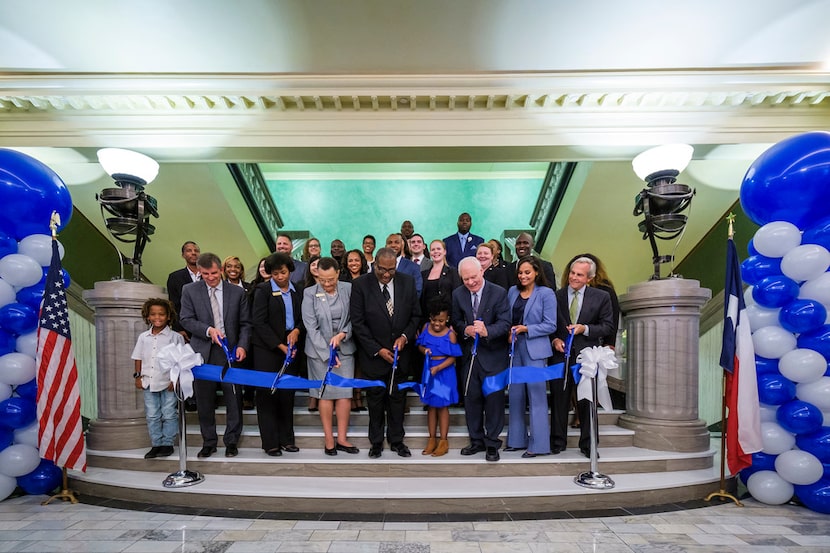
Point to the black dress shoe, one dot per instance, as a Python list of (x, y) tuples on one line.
[(231, 451), (206, 452), (165, 451), (528, 455), (472, 449), (332, 451), (346, 449), (153, 453), (514, 448), (492, 454), (290, 448), (274, 452), (401, 450), (375, 451), (556, 450)]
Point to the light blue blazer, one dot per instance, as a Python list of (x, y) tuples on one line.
[(540, 319)]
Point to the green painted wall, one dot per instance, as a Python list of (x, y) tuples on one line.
[(89, 256)]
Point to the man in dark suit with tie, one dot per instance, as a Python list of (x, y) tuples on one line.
[(524, 247), (587, 312), (420, 256), (480, 308), (385, 312), (213, 310), (463, 243), (179, 278), (402, 265)]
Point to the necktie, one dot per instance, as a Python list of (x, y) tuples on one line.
[(217, 315), (417, 261), (574, 307), (475, 305), (389, 307)]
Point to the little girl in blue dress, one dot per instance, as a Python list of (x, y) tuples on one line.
[(438, 343)]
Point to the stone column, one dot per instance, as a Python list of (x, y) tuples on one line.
[(662, 321), (120, 423)]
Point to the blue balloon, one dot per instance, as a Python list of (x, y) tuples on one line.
[(750, 248), (799, 417), (802, 315), (774, 389), (760, 461), (756, 267), (18, 319), (45, 478), (819, 234), (27, 390), (790, 182), (31, 295), (816, 496), (817, 443), (7, 245), (30, 192), (6, 437), (17, 412), (766, 366), (775, 291), (818, 340), (7, 342)]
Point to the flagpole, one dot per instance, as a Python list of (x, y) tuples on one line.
[(722, 493), (65, 494)]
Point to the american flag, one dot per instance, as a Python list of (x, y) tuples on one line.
[(60, 436)]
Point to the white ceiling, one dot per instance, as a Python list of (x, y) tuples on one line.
[(197, 83)]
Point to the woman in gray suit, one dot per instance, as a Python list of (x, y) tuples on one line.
[(327, 322)]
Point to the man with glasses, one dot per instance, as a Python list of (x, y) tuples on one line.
[(385, 312)]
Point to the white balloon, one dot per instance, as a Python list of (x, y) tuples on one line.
[(775, 439), (18, 459), (802, 365), (768, 413), (767, 487), (20, 270), (826, 415), (805, 262), (799, 467), (760, 316), (5, 391), (39, 248), (748, 299), (7, 293), (27, 435), (776, 238), (27, 344), (16, 368), (7, 486), (817, 393), (817, 289), (773, 342)]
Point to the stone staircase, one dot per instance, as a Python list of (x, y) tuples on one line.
[(309, 481)]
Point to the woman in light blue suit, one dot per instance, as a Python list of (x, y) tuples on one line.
[(327, 322), (533, 310)]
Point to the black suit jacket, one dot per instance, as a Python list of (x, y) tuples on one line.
[(175, 282), (197, 316), (269, 330), (375, 329), (596, 312), (494, 312), (547, 268)]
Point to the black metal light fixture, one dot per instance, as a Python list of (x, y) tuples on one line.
[(128, 208), (663, 199)]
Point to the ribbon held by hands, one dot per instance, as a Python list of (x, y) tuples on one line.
[(394, 369), (231, 357), (289, 357)]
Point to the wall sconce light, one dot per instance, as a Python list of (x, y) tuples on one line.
[(663, 199), (129, 206)]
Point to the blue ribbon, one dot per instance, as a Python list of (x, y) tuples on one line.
[(262, 379), (526, 375)]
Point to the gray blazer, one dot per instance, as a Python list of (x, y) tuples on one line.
[(197, 316), (317, 320)]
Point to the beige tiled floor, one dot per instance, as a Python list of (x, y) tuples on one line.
[(28, 526)]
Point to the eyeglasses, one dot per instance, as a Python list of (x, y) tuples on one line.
[(384, 270)]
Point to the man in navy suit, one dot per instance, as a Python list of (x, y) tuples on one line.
[(587, 312), (480, 308), (213, 310), (385, 312), (404, 266), (463, 243)]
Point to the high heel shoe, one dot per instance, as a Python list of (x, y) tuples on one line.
[(430, 448), (442, 448)]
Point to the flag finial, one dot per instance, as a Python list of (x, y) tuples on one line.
[(731, 220), (54, 223)]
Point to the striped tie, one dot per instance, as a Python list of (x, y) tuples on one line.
[(388, 298)]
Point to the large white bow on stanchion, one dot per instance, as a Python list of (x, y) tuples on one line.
[(595, 363), (180, 359)]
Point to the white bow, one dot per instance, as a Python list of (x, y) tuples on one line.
[(596, 362), (180, 359)]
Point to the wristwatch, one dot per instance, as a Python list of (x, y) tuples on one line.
[(136, 375)]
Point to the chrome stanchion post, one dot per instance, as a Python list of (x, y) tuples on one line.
[(183, 477), (593, 478)]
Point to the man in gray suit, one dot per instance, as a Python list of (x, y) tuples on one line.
[(211, 311), (285, 245)]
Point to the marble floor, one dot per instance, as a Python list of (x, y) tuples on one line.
[(28, 526)]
